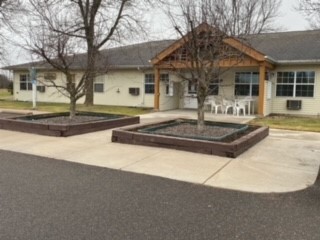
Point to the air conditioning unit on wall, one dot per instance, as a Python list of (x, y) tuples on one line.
[(294, 104), (134, 91), (41, 89)]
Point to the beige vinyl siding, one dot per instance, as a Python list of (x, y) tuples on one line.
[(116, 89), (50, 94), (310, 105), (113, 81), (170, 102)]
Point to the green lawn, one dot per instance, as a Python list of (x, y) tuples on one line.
[(290, 123), (5, 95), (62, 107), (280, 122)]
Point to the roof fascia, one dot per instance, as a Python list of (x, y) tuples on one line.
[(251, 52)]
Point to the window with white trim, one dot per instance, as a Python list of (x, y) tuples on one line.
[(246, 84), (192, 88), (25, 82), (98, 85), (214, 87), (149, 83), (295, 84), (169, 84)]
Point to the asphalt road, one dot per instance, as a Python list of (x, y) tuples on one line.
[(43, 198)]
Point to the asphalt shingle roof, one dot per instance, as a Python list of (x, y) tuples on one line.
[(282, 47), (288, 46), (131, 56)]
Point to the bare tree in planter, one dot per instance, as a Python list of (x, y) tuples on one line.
[(208, 24), (57, 56), (98, 23), (57, 51)]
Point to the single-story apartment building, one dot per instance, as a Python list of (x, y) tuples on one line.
[(280, 72)]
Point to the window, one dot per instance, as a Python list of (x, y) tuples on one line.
[(149, 83), (285, 84), (169, 84), (25, 82), (295, 84), (98, 85), (246, 84), (305, 84), (49, 76), (192, 88), (72, 84), (214, 87)]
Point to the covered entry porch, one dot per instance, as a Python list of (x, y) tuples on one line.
[(243, 77), (236, 92), (239, 84)]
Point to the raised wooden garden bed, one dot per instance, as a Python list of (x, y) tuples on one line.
[(231, 144), (44, 124)]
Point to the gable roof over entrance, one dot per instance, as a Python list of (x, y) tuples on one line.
[(250, 53)]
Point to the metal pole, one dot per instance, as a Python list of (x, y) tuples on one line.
[(33, 77)]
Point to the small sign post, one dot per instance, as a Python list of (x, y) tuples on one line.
[(33, 77)]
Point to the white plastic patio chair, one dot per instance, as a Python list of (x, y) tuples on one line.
[(215, 105), (240, 106), (227, 104)]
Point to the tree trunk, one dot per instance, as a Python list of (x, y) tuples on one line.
[(90, 76), (200, 122), (72, 108), (201, 99)]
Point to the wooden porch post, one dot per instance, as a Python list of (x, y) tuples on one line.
[(262, 77), (157, 89)]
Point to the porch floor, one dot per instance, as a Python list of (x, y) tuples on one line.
[(192, 114)]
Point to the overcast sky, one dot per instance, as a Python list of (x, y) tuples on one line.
[(289, 19)]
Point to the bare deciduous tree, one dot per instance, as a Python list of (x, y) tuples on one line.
[(311, 10), (57, 51), (207, 24), (8, 10), (97, 23)]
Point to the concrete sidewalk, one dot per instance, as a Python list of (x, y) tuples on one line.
[(283, 162)]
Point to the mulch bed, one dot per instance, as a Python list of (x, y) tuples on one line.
[(66, 120), (186, 129)]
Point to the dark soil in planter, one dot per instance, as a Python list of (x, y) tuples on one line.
[(59, 124), (223, 139)]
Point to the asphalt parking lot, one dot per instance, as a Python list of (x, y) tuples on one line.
[(43, 198)]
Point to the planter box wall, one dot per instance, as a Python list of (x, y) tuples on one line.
[(130, 135), (64, 130)]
